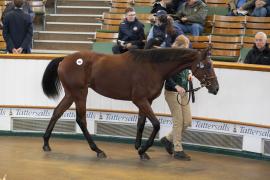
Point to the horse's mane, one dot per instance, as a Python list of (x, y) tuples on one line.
[(162, 55)]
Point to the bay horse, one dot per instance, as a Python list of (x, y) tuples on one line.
[(137, 76)]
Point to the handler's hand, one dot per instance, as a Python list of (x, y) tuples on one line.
[(190, 77), (180, 90)]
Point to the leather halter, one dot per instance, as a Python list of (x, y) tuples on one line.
[(204, 83)]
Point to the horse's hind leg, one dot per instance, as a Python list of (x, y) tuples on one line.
[(145, 107), (140, 127), (57, 113), (80, 102)]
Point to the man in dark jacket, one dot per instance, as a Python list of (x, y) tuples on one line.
[(26, 8), (18, 30), (131, 33), (163, 5), (260, 53)]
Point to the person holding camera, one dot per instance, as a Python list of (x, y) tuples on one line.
[(131, 33), (163, 33)]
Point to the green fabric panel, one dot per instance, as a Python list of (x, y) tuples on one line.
[(143, 9), (106, 31), (243, 53), (103, 47), (147, 27), (225, 58), (221, 11), (211, 11), (217, 10)]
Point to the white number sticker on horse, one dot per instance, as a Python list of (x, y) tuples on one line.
[(79, 61)]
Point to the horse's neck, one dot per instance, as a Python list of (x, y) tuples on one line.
[(170, 68)]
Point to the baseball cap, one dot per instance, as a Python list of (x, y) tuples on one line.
[(160, 13)]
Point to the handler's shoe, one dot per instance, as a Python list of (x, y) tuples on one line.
[(168, 145), (181, 155)]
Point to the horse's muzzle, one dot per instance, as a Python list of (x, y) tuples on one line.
[(214, 90)]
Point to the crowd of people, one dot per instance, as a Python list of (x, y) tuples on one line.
[(173, 18)]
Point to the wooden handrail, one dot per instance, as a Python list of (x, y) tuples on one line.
[(30, 56), (136, 112), (217, 64)]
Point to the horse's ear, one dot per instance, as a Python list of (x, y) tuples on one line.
[(206, 52)]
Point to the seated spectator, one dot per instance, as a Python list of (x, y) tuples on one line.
[(164, 31), (162, 5), (260, 53), (131, 33), (268, 8), (18, 30), (240, 7), (260, 8), (192, 15), (176, 4)]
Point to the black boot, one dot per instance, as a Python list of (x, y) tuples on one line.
[(168, 145), (181, 155)]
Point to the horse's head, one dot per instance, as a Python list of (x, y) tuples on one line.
[(203, 70)]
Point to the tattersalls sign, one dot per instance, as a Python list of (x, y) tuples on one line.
[(118, 117), (2, 112)]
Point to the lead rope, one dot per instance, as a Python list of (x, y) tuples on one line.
[(191, 93)]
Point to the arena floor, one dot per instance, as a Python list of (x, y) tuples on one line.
[(21, 158)]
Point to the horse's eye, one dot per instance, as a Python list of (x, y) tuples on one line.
[(208, 66)]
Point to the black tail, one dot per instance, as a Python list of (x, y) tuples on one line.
[(50, 82)]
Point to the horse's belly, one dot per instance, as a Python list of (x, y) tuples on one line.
[(112, 89)]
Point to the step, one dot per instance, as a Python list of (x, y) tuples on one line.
[(63, 45), (83, 18), (84, 3), (81, 9), (63, 35), (73, 27)]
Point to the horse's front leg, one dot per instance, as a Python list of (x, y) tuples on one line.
[(145, 107), (140, 127)]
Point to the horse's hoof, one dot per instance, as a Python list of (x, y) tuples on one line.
[(46, 148), (137, 145), (101, 155), (144, 156)]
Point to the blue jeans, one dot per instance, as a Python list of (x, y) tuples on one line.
[(195, 29), (268, 11), (259, 12)]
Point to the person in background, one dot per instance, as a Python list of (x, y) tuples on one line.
[(176, 4), (18, 30), (192, 15), (260, 9), (162, 5), (131, 33), (163, 33), (181, 114), (268, 8), (240, 7), (260, 53), (25, 7)]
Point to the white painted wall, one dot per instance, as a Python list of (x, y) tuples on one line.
[(244, 95)]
